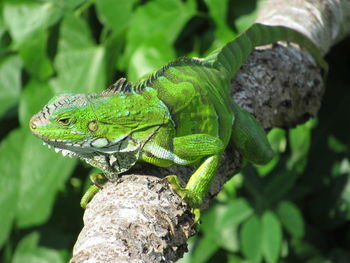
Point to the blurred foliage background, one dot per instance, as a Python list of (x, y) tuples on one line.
[(295, 209)]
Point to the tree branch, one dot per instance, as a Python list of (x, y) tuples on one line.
[(139, 218), (325, 22)]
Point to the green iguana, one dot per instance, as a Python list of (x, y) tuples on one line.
[(181, 114)]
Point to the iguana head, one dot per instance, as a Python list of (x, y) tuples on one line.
[(96, 127), (67, 123)]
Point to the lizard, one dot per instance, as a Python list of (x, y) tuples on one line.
[(181, 114)]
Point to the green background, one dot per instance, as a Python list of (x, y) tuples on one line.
[(295, 209)]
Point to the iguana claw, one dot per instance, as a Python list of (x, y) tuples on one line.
[(190, 198)]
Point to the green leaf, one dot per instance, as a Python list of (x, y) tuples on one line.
[(235, 259), (224, 236), (245, 12), (10, 82), (210, 219), (204, 250), (291, 218), (42, 172), (10, 151), (35, 95), (300, 139), (158, 18), (115, 14), (28, 251), (335, 145), (271, 237), (254, 184), (266, 169), (277, 140), (149, 56), (278, 185), (80, 71), (236, 212), (341, 168), (218, 11), (2, 23), (80, 64), (228, 239), (3, 29), (75, 34), (251, 239), (231, 188), (34, 57), (24, 17)]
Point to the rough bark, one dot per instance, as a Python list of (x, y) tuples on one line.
[(139, 218), (325, 22)]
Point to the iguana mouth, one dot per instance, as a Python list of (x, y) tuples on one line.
[(64, 152)]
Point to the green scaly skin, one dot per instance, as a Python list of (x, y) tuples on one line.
[(181, 114)]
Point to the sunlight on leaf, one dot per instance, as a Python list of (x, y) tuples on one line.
[(75, 34), (80, 71), (23, 18), (224, 236), (236, 212), (155, 18), (150, 56), (218, 10), (246, 14)]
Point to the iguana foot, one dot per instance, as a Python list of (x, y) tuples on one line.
[(190, 198), (98, 180)]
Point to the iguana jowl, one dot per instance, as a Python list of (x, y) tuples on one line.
[(181, 114)]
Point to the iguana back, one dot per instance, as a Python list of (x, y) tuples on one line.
[(196, 96)]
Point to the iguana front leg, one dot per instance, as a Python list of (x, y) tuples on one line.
[(187, 150), (199, 183), (194, 148), (98, 180)]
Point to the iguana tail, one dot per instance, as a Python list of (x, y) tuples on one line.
[(248, 135), (231, 56)]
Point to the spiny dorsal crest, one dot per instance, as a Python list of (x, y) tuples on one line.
[(182, 61), (124, 86), (120, 86)]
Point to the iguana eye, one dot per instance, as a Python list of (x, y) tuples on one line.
[(64, 121)]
